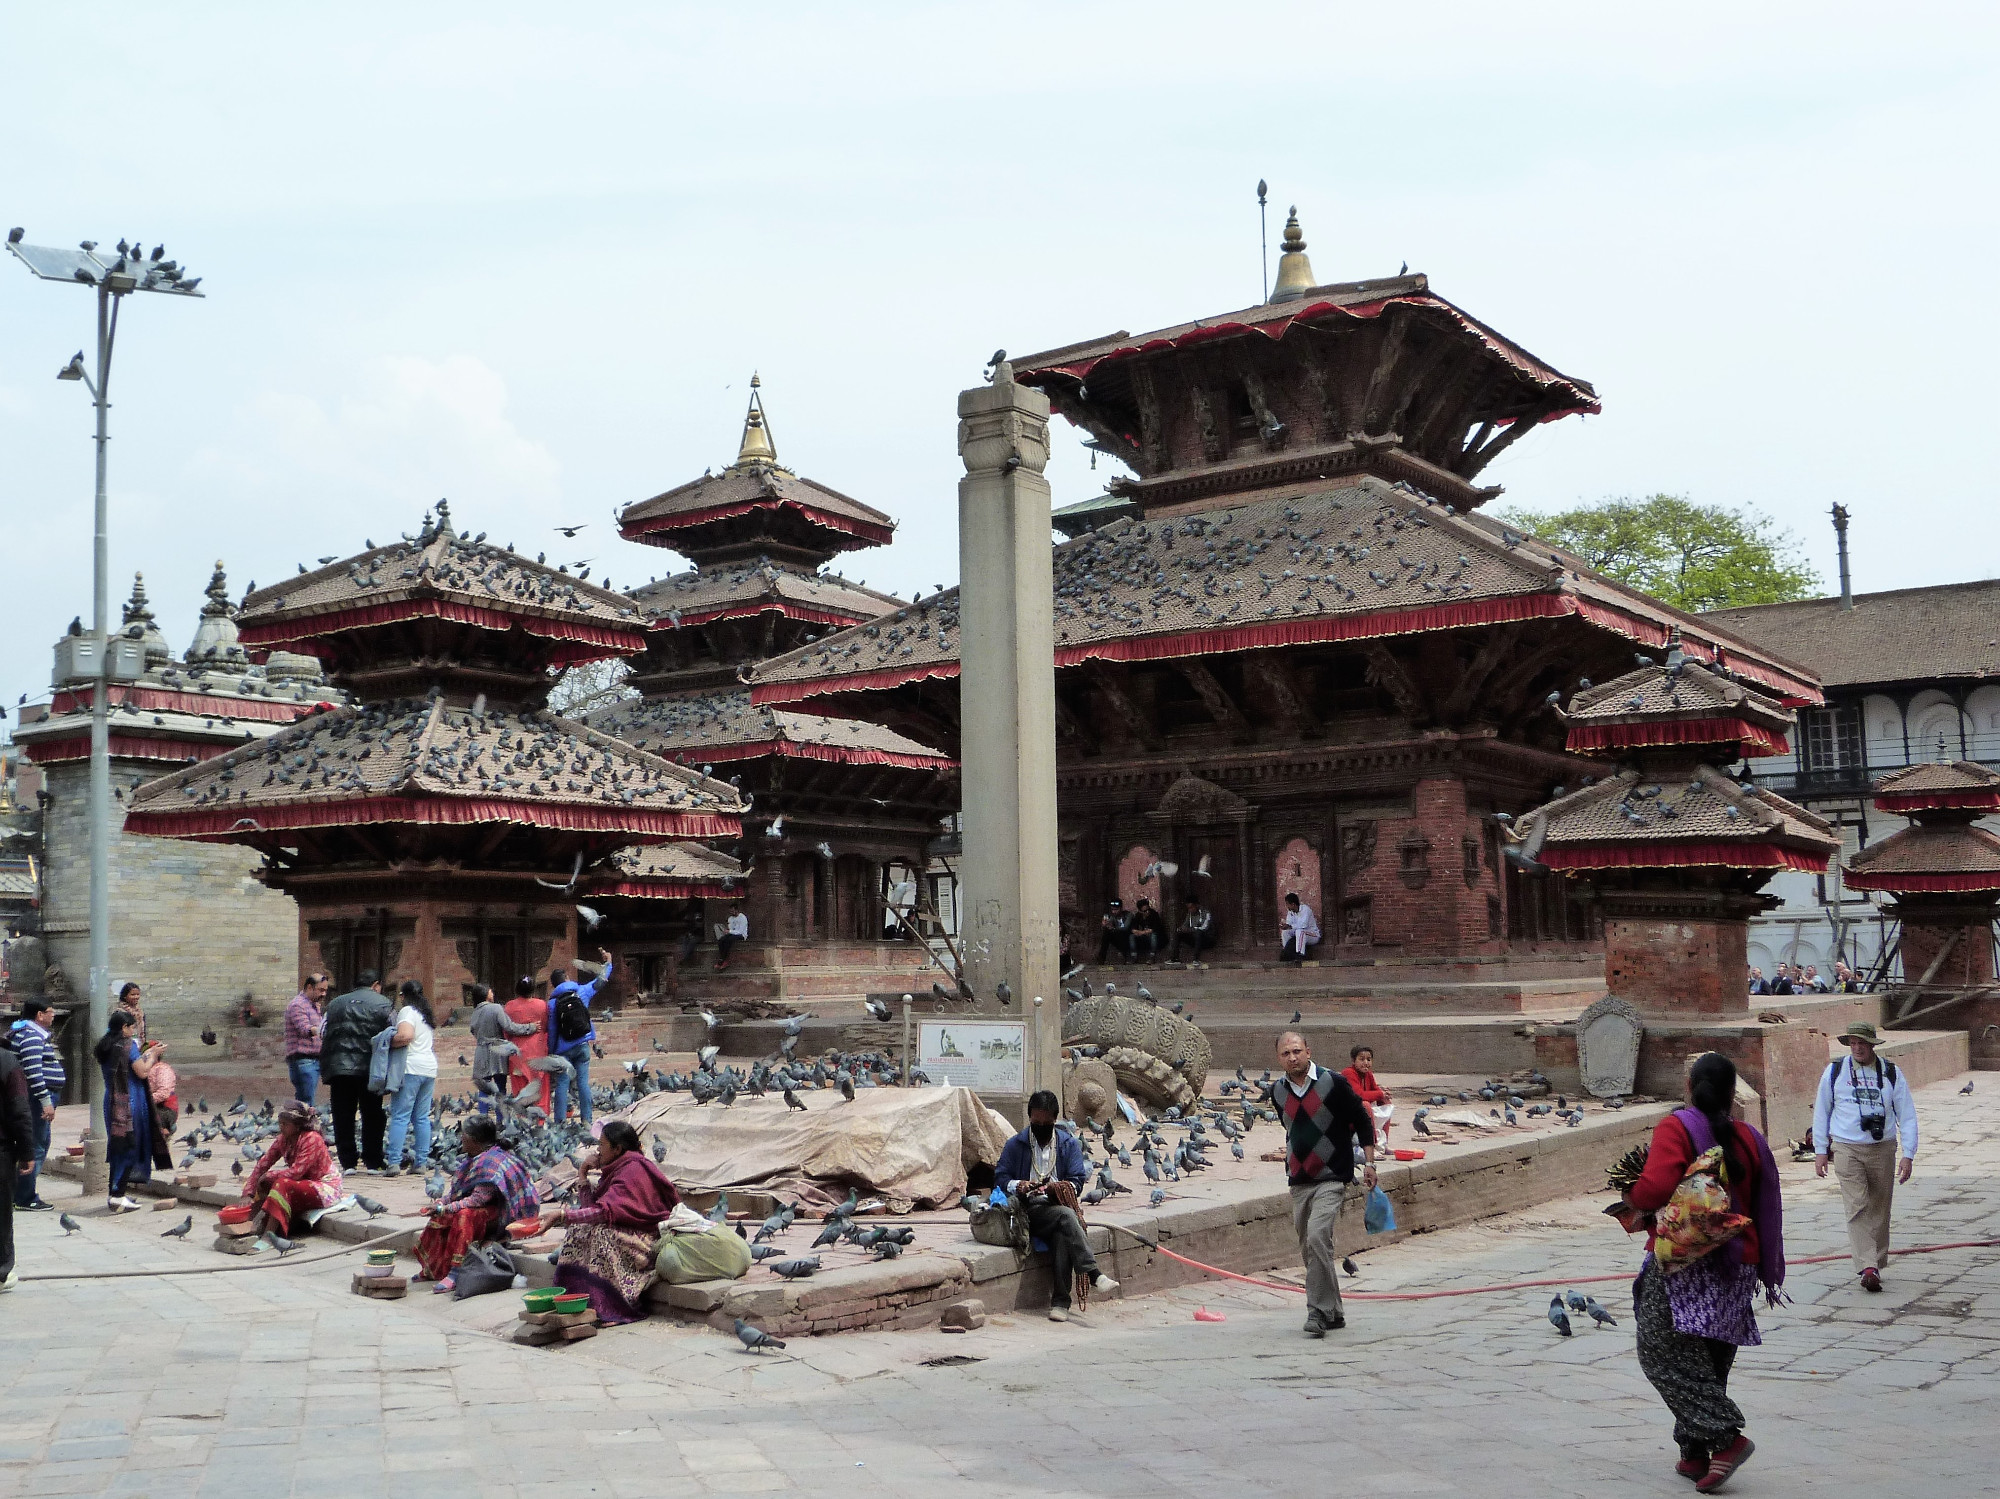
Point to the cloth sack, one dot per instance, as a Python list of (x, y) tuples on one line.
[(1698, 1217), (1379, 1217), (486, 1268), (1003, 1224)]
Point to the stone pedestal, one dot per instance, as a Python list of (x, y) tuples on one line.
[(1679, 952), (1931, 921), (1007, 713)]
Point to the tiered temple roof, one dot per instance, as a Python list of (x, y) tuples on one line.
[(1352, 559), (725, 725), (1941, 851), (1672, 807)]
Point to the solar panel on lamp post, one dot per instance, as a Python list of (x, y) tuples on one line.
[(112, 277)]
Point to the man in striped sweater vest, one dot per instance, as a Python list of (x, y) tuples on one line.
[(1324, 1121)]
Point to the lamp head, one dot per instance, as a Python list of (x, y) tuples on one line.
[(74, 369)]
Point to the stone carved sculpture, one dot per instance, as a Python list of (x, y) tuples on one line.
[(1607, 1047)]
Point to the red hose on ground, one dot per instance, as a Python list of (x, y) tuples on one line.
[(1515, 1285)]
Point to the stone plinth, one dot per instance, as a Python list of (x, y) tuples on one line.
[(1660, 961), (1929, 922)]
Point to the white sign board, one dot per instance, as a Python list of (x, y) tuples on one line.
[(985, 1055)]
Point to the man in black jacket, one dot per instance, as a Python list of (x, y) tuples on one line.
[(17, 1155), (346, 1046)]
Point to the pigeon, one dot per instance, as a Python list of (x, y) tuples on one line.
[(774, 1225), (1348, 1267), (755, 1339), (796, 1269), (792, 1100), (1558, 1318), (1598, 1314), (1966, 1089), (69, 1224), (761, 1252), (369, 1206), (847, 1087), (887, 1249), (180, 1230), (1417, 1121), (831, 1234), (1575, 1300), (1159, 1196), (208, 1036), (1296, 1017)]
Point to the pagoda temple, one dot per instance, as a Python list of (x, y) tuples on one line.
[(1944, 872), (442, 824), (1291, 656), (840, 811)]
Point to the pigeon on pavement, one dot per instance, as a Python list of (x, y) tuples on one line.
[(1558, 1318), (180, 1230), (755, 1338)]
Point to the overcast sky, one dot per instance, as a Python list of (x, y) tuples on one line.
[(530, 263)]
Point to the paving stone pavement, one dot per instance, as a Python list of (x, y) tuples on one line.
[(277, 1381)]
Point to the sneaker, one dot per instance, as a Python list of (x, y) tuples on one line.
[(1693, 1464), (1315, 1327), (1871, 1280), (392, 1171), (1059, 1314), (37, 1206), (13, 1279), (1724, 1463), (1104, 1283)]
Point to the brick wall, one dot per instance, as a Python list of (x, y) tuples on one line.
[(1692, 966), (190, 923), (1970, 961), (1431, 880)]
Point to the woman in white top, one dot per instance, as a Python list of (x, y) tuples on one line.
[(414, 1032)]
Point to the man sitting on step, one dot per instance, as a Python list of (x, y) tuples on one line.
[(1044, 1167)]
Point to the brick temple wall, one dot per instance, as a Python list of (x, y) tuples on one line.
[(190, 923), (1693, 966)]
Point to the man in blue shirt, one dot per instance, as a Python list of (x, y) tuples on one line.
[(570, 1035), (1044, 1167)]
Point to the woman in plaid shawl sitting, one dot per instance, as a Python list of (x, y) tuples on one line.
[(490, 1190)]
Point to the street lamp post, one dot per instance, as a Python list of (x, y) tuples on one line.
[(113, 278)]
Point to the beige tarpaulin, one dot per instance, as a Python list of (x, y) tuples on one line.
[(908, 1146)]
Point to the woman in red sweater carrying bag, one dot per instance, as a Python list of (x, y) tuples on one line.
[(1715, 1229)]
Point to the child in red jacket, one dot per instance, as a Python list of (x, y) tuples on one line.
[(1360, 1077)]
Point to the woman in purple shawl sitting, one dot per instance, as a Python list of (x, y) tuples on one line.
[(1692, 1321), (610, 1236)]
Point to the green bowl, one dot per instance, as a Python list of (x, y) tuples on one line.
[(541, 1299), (569, 1304)]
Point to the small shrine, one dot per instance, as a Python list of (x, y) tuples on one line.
[(1943, 871), (1676, 851)]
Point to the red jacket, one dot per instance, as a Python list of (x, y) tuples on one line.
[(1667, 1160), (1371, 1092)]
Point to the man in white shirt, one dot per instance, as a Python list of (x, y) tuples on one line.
[(737, 930), (1298, 933), (1861, 1114)]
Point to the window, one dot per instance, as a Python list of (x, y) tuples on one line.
[(1831, 737)]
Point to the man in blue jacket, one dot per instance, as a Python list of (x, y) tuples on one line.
[(1044, 1167), (570, 1035)]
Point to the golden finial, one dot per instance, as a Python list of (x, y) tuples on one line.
[(756, 446), (1295, 272)]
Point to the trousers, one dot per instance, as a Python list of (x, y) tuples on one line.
[(28, 1188), (1069, 1250), (345, 1094), (304, 1073), (1867, 1176), (1314, 1207)]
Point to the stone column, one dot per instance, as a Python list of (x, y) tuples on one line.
[(1007, 713)]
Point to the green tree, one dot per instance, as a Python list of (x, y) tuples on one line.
[(1694, 557)]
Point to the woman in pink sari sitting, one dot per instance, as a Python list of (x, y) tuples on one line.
[(296, 1175), (610, 1236)]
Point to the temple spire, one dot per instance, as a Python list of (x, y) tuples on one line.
[(136, 607), (1295, 272), (756, 445)]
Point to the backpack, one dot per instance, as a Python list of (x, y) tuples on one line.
[(572, 1017)]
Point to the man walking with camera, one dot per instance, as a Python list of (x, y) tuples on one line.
[(1862, 1114)]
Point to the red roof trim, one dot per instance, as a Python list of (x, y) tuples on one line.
[(127, 747), (1926, 801), (1924, 884), (304, 629), (1680, 855), (226, 824), (831, 754), (656, 889), (867, 531), (779, 693), (751, 608), (1755, 740), (165, 701)]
